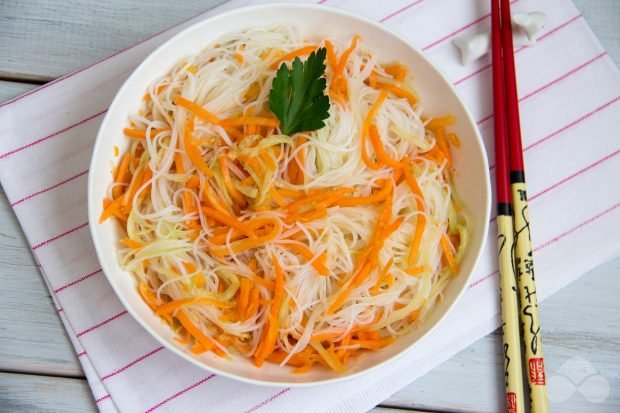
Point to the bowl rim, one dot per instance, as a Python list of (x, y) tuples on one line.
[(93, 219)]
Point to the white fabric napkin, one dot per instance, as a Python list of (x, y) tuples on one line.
[(570, 92)]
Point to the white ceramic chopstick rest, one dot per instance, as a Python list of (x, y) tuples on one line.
[(474, 46), (530, 23)]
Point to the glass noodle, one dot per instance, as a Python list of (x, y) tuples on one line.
[(290, 249)]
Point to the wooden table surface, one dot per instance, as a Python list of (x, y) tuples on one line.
[(42, 40)]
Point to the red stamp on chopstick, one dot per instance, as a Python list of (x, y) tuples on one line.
[(511, 402), (537, 371)]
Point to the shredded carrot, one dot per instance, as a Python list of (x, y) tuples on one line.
[(297, 360), (197, 110), (128, 196), (436, 155), (365, 130), (252, 166), (442, 144), (440, 122), (244, 295), (193, 152), (233, 132), (397, 175), (320, 196), (331, 55), (248, 180), (113, 209), (454, 140), (268, 341), (131, 243), (295, 53), (141, 134), (160, 88), (232, 191), (313, 215), (414, 315), (292, 170), (122, 175), (329, 356), (229, 220), (148, 296), (251, 120), (343, 354), (319, 260), (253, 303), (193, 182), (373, 344), (173, 306), (268, 284), (398, 71), (148, 175), (382, 155), (338, 82), (250, 129), (398, 91), (257, 226), (205, 341), (184, 339), (295, 194), (447, 253), (277, 197), (178, 163), (372, 80), (189, 267), (197, 348), (415, 270), (413, 184), (414, 250), (246, 244), (382, 275), (268, 161), (200, 281), (252, 264), (239, 57), (210, 198), (278, 292)]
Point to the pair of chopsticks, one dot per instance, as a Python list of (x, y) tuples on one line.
[(516, 264)]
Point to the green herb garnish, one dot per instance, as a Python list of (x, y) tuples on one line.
[(297, 95)]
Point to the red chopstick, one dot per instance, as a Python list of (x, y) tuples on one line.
[(502, 177), (512, 98), (524, 260), (513, 373)]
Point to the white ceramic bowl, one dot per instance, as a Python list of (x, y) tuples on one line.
[(438, 97)]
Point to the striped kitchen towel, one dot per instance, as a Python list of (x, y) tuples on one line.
[(569, 95)]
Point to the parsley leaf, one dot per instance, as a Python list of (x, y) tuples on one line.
[(297, 95)]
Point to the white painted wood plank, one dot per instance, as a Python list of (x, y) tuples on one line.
[(32, 338), (21, 393), (9, 90), (604, 18), (579, 321), (42, 40)]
